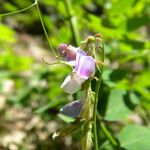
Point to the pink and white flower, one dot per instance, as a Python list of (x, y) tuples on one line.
[(84, 69)]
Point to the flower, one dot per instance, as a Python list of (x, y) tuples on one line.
[(84, 68)]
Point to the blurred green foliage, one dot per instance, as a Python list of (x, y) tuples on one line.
[(125, 26)]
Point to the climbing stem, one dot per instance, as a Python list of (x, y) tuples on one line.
[(96, 101), (94, 113), (41, 19), (107, 133), (18, 11), (44, 29)]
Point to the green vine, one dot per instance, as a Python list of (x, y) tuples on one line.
[(45, 32), (96, 101), (18, 11)]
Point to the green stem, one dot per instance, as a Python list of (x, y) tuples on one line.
[(18, 11), (108, 134), (95, 111), (73, 21), (96, 101), (44, 29)]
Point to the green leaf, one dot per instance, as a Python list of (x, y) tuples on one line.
[(106, 78), (8, 34), (117, 109), (121, 6), (9, 7), (44, 108), (134, 137), (132, 44), (15, 63), (66, 118), (136, 22), (134, 98)]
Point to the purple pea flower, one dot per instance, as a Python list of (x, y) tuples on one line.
[(84, 68)]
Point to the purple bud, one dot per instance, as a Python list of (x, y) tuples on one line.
[(62, 49), (68, 51)]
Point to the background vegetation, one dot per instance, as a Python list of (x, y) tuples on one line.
[(30, 93)]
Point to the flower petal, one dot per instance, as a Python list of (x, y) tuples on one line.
[(72, 109), (70, 85), (86, 67), (80, 53), (78, 79), (71, 63)]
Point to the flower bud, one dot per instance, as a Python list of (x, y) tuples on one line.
[(98, 35), (62, 49), (68, 51)]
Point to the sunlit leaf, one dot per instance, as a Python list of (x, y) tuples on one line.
[(66, 118), (121, 6), (117, 109), (134, 137), (8, 34)]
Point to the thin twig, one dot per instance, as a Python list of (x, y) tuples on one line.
[(45, 32), (96, 101), (107, 132), (18, 11)]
